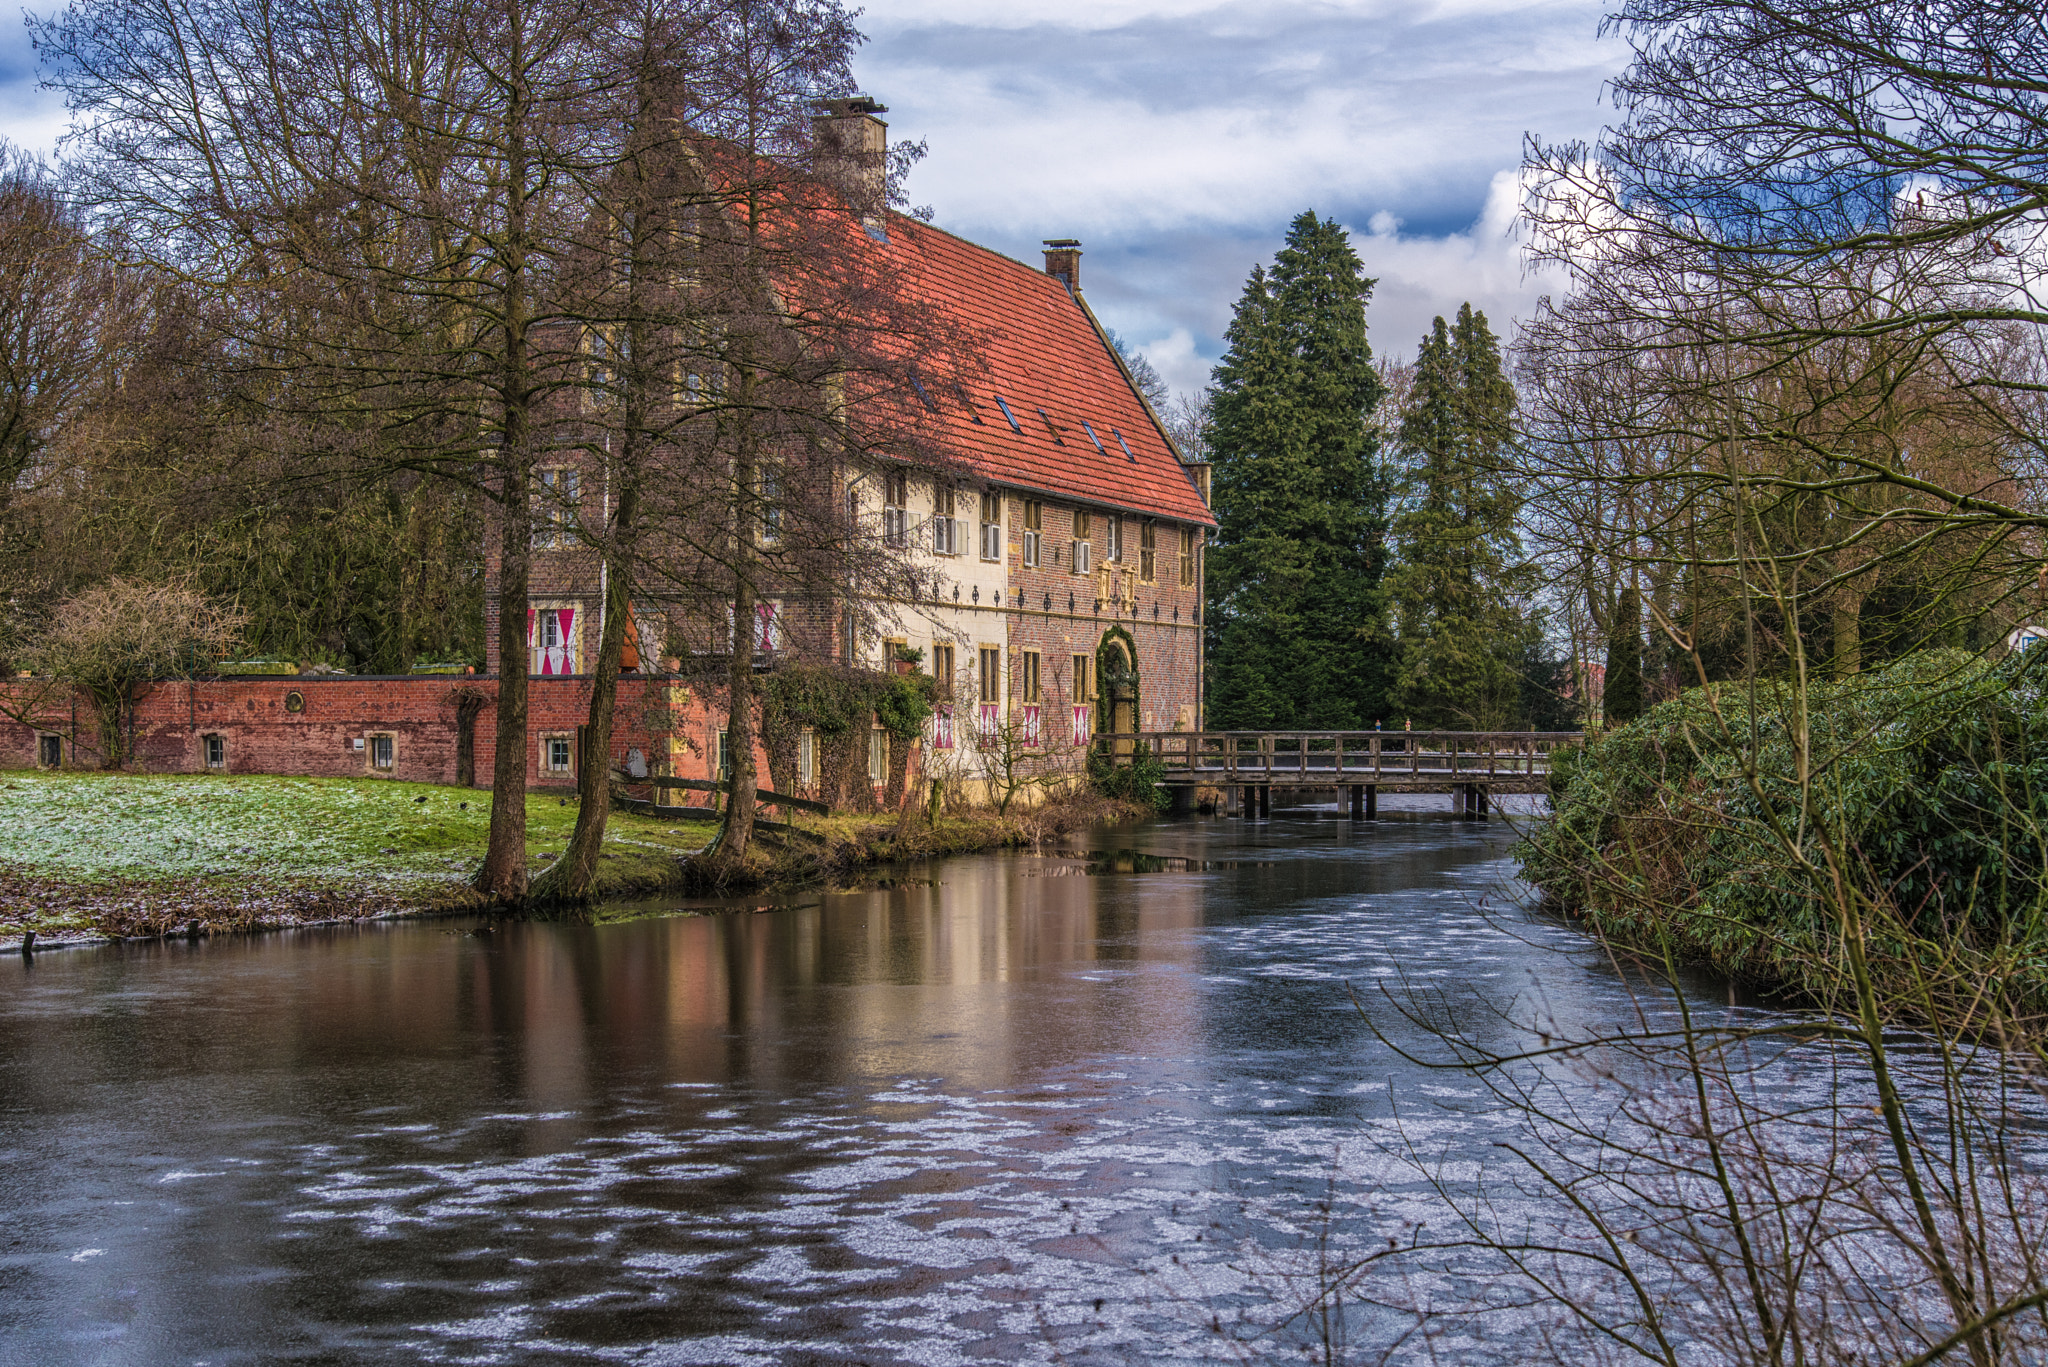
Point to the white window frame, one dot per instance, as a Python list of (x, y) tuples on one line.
[(991, 531), (370, 740), (548, 768), (945, 526), (895, 509), (561, 494), (210, 744), (768, 626)]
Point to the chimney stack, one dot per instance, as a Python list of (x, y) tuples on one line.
[(1063, 262), (850, 151)]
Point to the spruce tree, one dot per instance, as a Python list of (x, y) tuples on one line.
[(1622, 693), (1295, 634), (1462, 637)]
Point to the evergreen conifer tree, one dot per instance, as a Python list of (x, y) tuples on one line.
[(1294, 626), (1462, 637), (1622, 693)]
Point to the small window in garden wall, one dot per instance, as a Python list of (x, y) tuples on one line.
[(215, 751), (50, 750), (381, 754), (558, 755)]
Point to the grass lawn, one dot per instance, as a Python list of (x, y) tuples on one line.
[(71, 843)]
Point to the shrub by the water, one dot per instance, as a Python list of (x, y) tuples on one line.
[(1924, 808), (1135, 778)]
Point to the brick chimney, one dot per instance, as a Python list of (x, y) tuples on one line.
[(1063, 262), (850, 150)]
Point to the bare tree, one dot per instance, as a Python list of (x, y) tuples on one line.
[(115, 638)]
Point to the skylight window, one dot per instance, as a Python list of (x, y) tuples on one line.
[(1092, 437), (1126, 445), (966, 402), (1008, 414), (1052, 427), (918, 385)]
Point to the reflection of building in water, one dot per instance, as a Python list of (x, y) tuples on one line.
[(1002, 967)]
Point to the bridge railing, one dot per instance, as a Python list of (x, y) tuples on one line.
[(1225, 757)]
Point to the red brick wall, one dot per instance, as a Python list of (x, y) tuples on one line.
[(1162, 622), (419, 711)]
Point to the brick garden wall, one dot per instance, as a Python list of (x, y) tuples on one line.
[(263, 736)]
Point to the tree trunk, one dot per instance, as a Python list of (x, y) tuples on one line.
[(1847, 656), (572, 879), (737, 832), (503, 876), (899, 772), (836, 765)]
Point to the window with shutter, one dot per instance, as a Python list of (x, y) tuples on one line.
[(896, 507), (991, 525)]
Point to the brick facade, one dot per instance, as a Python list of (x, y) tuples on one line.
[(1061, 614)]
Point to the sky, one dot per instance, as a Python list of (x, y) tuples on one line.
[(1177, 139)]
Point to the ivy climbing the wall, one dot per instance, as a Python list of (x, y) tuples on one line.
[(841, 706)]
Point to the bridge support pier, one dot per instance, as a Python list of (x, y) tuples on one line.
[(1358, 802), (1372, 802), (1265, 800)]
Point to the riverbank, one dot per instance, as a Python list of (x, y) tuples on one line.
[(95, 856), (91, 856)]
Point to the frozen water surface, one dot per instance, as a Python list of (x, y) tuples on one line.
[(1004, 1117)]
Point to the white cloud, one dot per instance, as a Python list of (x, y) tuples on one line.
[(1419, 277), (1177, 139)]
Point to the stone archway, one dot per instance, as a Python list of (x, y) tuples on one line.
[(1116, 686)]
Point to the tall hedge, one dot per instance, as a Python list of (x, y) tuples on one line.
[(1931, 775)]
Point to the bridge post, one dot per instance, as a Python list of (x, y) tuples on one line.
[(1358, 802), (1372, 802), (1484, 804), (1265, 800)]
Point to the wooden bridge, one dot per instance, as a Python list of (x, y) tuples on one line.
[(1248, 765)]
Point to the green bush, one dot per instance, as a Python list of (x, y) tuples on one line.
[(1930, 776), (1136, 779)]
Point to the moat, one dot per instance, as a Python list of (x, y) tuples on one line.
[(1010, 1108)]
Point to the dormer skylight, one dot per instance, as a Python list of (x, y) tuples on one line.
[(1126, 445), (1092, 437), (1052, 427), (1014, 427), (966, 402), (918, 385)]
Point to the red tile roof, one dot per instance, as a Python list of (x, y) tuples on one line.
[(1041, 349)]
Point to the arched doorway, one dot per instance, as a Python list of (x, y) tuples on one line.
[(1116, 687)]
